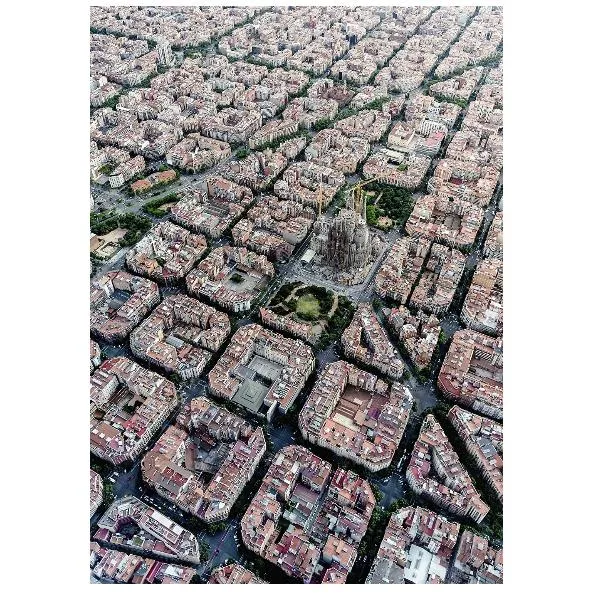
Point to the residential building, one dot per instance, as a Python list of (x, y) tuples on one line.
[(231, 277), (233, 573), (484, 441), (401, 268), (459, 87), (202, 463), (96, 489), (166, 253), (331, 148), (274, 227), (156, 534), (446, 220), (492, 247), (464, 180), (180, 336), (477, 561), (482, 307), (403, 169), (417, 547), (261, 370), (356, 415), (421, 107), (366, 342), (435, 473), (418, 334), (439, 279), (118, 302), (95, 355), (310, 184), (194, 153), (368, 124), (128, 405), (328, 515), (471, 373), (211, 206)]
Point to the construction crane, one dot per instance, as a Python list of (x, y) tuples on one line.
[(357, 194)]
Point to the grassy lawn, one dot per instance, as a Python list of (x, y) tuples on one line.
[(308, 307)]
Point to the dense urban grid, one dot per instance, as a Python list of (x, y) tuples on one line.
[(296, 310)]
